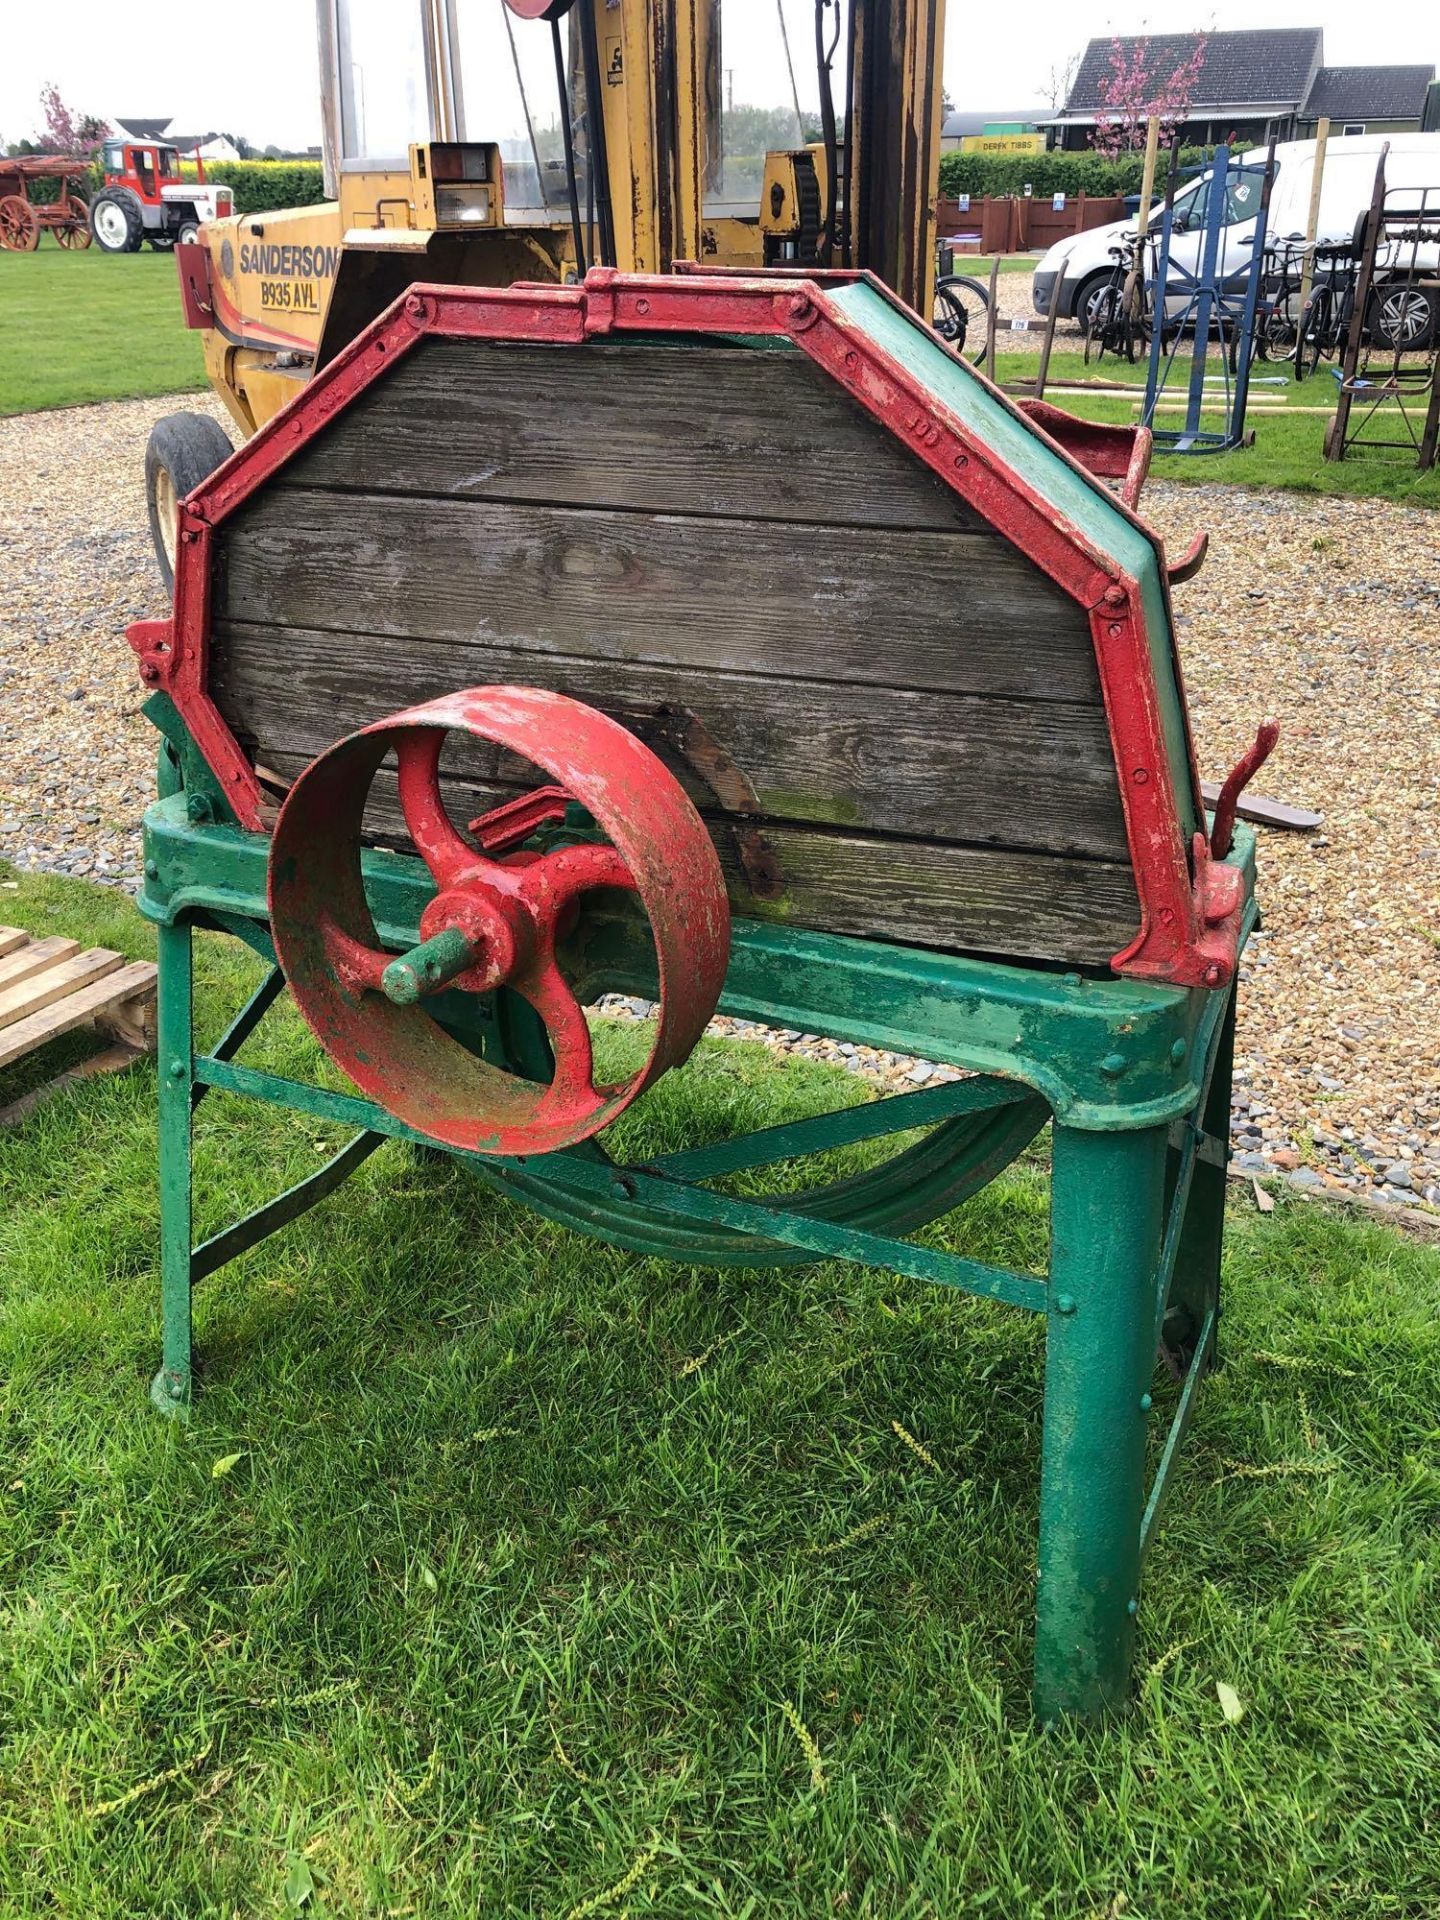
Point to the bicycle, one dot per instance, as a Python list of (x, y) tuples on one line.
[(1325, 318), (961, 306), (1121, 315)]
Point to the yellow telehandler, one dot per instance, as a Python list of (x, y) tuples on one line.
[(485, 142)]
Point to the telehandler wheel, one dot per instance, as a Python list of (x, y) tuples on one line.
[(116, 223), (183, 449)]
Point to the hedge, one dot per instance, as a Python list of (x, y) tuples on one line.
[(264, 186), (259, 186), (996, 173)]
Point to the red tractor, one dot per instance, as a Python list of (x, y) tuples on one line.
[(144, 198)]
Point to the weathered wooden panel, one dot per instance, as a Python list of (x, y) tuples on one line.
[(670, 429), (942, 767), (979, 900), (954, 612)]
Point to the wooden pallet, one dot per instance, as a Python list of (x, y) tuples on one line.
[(51, 986)]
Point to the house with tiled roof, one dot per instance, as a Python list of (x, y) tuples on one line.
[(1250, 85)]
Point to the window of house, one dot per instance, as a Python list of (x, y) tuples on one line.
[(1353, 126)]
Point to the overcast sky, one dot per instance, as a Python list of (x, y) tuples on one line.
[(223, 66)]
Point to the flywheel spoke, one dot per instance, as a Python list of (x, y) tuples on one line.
[(553, 998), (437, 839)]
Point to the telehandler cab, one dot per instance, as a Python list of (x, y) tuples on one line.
[(460, 147)]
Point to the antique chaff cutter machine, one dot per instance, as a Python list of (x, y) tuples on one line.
[(722, 640)]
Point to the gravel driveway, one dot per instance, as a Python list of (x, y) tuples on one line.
[(1325, 613)]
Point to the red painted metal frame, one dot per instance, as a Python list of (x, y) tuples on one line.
[(1189, 904)]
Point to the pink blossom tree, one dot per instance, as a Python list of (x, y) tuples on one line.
[(64, 131), (1133, 90)]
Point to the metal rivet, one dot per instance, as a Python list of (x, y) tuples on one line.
[(1178, 1051), (1132, 1607), (177, 1069), (1064, 1304), (799, 305), (1212, 976), (1167, 916), (1141, 775), (1113, 1065), (1146, 1403), (177, 1390), (152, 870), (1114, 596), (1117, 627), (852, 361), (642, 306)]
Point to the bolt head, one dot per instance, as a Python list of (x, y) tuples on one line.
[(152, 870), (1146, 1402), (1065, 1304), (177, 1069), (1132, 1607)]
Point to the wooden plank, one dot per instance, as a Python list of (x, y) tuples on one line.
[(35, 958), (948, 612), (110, 1060), (952, 767), (1265, 813), (11, 938), (983, 900), (19, 1002), (77, 1009), (670, 429)]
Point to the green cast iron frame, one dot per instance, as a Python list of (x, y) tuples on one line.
[(1134, 1077)]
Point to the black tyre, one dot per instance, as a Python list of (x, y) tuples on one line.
[(1402, 316), (1086, 295), (1104, 323), (1316, 323), (115, 222), (188, 231), (961, 305), (183, 450)]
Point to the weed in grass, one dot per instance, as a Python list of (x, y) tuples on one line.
[(426, 1380)]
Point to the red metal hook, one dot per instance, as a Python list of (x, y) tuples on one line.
[(1222, 833)]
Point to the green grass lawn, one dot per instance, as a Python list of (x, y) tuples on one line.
[(77, 327), (500, 1573), (1289, 447)]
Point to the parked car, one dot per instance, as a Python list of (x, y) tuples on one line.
[(1077, 269)]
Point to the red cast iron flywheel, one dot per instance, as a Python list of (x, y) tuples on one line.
[(496, 916)]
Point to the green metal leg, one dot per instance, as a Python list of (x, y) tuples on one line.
[(1107, 1205), (170, 1389), (1196, 1285)]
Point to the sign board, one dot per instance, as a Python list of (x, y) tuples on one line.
[(1003, 143), (1057, 203)]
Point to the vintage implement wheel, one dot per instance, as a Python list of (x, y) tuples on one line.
[(496, 918), (183, 449), (76, 231), (19, 225)]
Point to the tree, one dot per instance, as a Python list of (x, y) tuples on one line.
[(1055, 88), (1132, 92), (64, 131)]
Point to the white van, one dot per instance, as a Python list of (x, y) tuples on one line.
[(1079, 267)]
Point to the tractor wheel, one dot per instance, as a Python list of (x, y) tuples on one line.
[(183, 450), (161, 242), (116, 223), (187, 233), (19, 227), (77, 235)]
